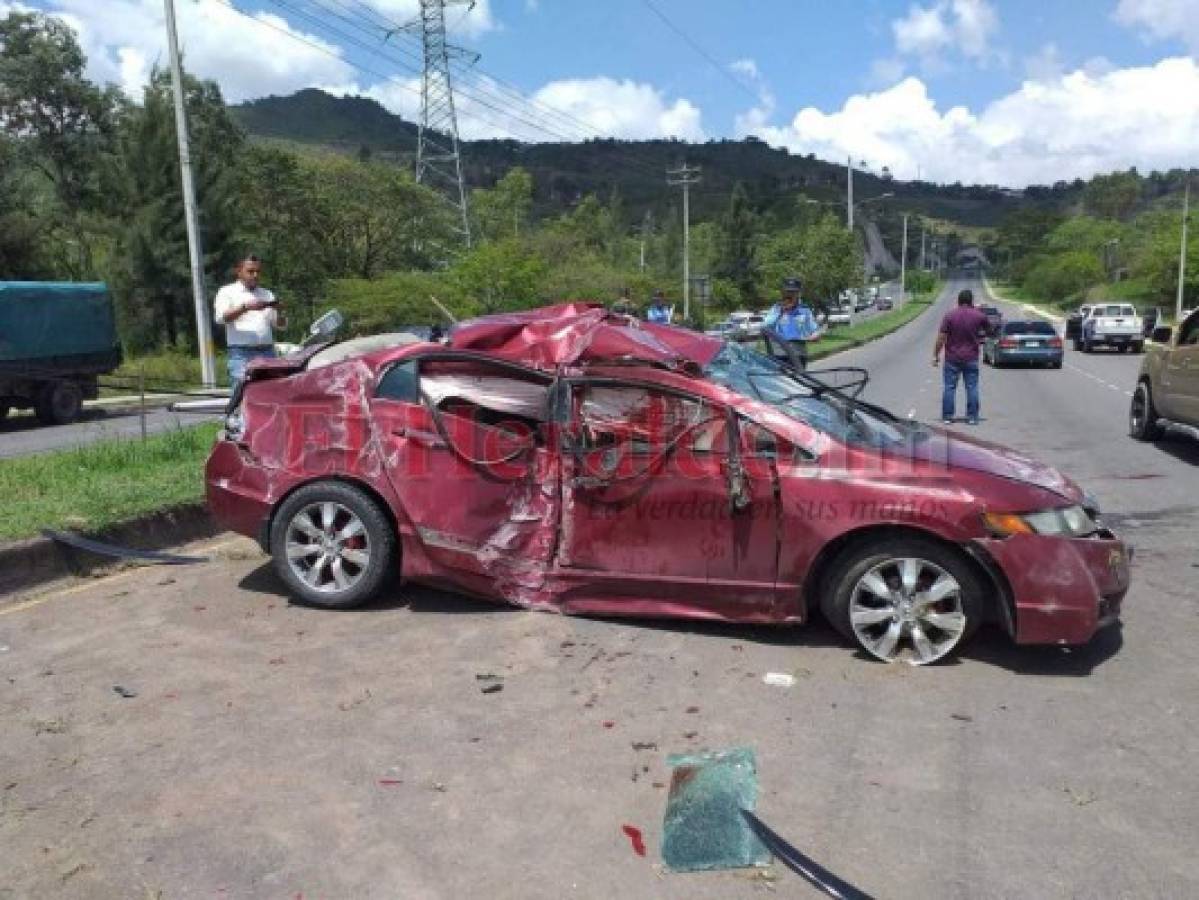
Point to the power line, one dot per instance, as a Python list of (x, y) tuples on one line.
[(723, 70)]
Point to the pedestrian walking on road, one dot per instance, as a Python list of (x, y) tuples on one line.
[(792, 321), (962, 331), (250, 315), (658, 312)]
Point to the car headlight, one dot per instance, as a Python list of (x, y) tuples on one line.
[(1069, 521)]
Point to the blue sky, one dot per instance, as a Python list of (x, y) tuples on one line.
[(998, 91)]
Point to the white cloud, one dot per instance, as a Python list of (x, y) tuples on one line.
[(463, 22), (124, 39), (936, 33), (574, 109), (1162, 19), (623, 109), (1045, 64), (747, 68), (1070, 126), (754, 119)]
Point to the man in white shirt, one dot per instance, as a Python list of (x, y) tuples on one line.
[(250, 314)]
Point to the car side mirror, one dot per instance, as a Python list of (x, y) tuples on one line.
[(1162, 334)]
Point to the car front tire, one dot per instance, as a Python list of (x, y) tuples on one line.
[(908, 598), (332, 545)]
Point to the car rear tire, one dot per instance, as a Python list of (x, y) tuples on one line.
[(904, 598), (332, 545), (1143, 421), (4, 408), (58, 403)]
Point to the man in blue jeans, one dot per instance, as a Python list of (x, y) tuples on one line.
[(250, 315), (962, 331)]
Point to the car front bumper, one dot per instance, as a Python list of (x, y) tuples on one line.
[(1031, 355), (1063, 589)]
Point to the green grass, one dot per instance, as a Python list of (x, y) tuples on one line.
[(91, 487), (165, 371), (838, 339)]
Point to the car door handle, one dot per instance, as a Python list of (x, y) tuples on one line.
[(421, 437)]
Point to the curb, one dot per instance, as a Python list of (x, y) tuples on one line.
[(35, 561), (862, 342)]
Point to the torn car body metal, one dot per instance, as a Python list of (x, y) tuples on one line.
[(575, 460)]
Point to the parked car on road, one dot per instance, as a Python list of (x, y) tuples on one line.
[(725, 330), (1030, 342), (885, 302), (564, 459), (994, 318), (839, 315), (1111, 325), (1167, 391)]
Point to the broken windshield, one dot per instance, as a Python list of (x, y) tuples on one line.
[(806, 399)]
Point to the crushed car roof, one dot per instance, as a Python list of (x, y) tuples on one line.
[(583, 333)]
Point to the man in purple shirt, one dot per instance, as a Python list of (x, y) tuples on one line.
[(962, 330)]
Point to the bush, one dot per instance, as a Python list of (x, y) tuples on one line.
[(1058, 277)]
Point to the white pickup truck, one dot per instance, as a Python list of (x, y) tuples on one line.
[(1111, 325)]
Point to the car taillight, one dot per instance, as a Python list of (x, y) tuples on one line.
[(1055, 342), (1007, 343)]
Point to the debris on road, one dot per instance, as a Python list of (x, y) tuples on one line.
[(494, 688), (779, 679), (644, 745), (703, 828), (635, 838), (803, 866), (149, 556), (124, 692)]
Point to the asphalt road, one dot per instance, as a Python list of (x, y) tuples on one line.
[(22, 435), (273, 750)]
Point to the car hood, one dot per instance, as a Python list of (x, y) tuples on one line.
[(955, 451)]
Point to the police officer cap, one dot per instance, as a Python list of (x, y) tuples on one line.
[(791, 284), (658, 295)]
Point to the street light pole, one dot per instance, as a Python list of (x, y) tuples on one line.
[(1182, 252), (203, 320), (685, 176), (849, 193), (903, 262)]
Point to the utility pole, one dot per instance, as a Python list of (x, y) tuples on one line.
[(684, 177), (849, 193), (903, 262), (195, 256), (438, 161), (647, 225), (1182, 251), (923, 235)]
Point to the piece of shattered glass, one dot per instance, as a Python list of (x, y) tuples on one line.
[(704, 828)]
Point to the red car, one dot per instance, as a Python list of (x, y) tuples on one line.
[(579, 461)]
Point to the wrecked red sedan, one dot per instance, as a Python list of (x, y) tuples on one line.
[(574, 460)]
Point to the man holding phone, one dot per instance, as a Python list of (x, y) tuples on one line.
[(250, 315)]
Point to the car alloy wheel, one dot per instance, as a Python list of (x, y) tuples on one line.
[(908, 607), (327, 547)]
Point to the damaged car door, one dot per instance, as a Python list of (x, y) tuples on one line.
[(660, 506), (465, 451)]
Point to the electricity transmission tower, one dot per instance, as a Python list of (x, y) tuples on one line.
[(684, 177), (438, 161)]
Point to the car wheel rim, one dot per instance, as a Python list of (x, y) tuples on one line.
[(907, 608), (327, 547)]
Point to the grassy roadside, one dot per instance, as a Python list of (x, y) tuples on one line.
[(98, 485)]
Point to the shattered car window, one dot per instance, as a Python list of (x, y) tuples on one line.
[(647, 421), (767, 380)]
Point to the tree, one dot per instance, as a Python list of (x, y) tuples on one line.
[(1059, 277), (738, 248), (499, 275), (831, 260), (150, 268), (62, 121), (504, 209), (1113, 196), (21, 258)]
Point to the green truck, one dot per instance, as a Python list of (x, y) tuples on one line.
[(56, 339)]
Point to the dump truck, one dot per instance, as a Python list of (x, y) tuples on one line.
[(56, 340)]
